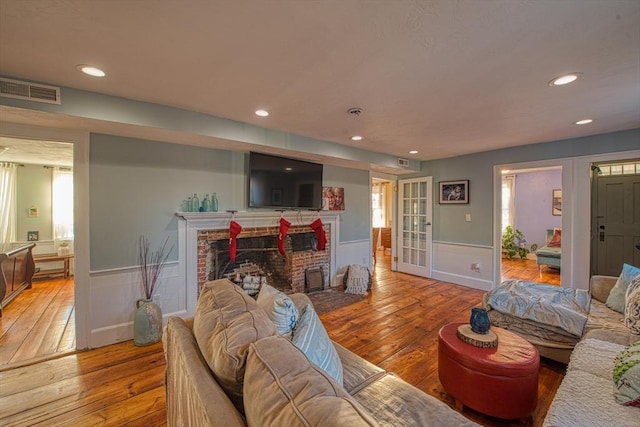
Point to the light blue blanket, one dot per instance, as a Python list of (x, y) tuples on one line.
[(564, 308)]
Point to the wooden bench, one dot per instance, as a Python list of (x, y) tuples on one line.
[(46, 258)]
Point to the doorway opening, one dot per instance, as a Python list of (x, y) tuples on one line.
[(39, 322), (530, 217), (382, 220)]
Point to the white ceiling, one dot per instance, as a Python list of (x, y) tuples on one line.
[(444, 77)]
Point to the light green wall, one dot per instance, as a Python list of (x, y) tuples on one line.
[(136, 186), (449, 224), (34, 189), (355, 222)]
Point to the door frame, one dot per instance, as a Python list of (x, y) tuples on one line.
[(576, 199), (567, 214), (82, 289)]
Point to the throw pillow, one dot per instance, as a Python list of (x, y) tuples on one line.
[(310, 336), (626, 376), (616, 299), (279, 307), (632, 307), (556, 239), (226, 321), (282, 388)]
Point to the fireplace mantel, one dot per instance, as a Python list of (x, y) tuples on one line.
[(191, 223)]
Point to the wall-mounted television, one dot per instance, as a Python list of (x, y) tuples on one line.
[(284, 183)]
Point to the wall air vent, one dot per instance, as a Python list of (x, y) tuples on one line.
[(404, 163), (29, 91)]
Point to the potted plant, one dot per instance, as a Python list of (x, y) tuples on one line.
[(147, 321), (514, 243)]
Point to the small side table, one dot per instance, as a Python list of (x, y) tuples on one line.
[(53, 258), (501, 382)]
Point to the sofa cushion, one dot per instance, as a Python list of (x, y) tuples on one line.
[(279, 307), (632, 306), (626, 375), (226, 321), (594, 356), (310, 336), (394, 402), (616, 298), (283, 388)]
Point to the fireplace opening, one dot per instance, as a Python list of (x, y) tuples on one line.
[(258, 258)]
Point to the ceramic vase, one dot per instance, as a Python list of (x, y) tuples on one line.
[(147, 323), (480, 322)]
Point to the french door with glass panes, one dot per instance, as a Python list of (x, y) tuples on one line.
[(414, 230)]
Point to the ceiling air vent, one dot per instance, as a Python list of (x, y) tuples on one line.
[(29, 91), (404, 163)]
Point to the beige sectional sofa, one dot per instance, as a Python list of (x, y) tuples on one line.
[(586, 394), (228, 367)]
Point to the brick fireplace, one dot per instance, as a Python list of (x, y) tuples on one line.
[(257, 255), (201, 235)]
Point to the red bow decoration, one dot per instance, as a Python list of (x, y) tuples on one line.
[(320, 234), (234, 230)]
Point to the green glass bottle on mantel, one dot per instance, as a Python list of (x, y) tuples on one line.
[(195, 203), (214, 202), (206, 204)]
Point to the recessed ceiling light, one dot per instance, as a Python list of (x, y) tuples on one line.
[(413, 152), (356, 138), (584, 122), (262, 113), (91, 71), (565, 79)]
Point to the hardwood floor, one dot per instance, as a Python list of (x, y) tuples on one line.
[(528, 269), (39, 323), (396, 327)]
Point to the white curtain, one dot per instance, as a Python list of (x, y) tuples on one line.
[(378, 203), (63, 207), (8, 179), (508, 200)]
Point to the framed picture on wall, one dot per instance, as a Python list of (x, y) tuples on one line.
[(556, 202), (33, 236), (454, 192)]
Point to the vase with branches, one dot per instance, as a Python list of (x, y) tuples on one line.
[(147, 321), (151, 264)]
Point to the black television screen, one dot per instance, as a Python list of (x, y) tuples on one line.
[(284, 183)]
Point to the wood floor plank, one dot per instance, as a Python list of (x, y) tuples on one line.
[(17, 334)]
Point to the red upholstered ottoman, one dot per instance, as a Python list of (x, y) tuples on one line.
[(501, 382)]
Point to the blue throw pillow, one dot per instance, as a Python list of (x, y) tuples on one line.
[(279, 307), (616, 298), (310, 336)]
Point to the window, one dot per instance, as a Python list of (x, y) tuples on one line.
[(62, 205), (508, 200)]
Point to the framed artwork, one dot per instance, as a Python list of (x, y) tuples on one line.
[(33, 212), (333, 199), (33, 236), (454, 192), (276, 196), (556, 202)]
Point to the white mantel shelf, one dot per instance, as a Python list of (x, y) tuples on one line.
[(261, 215)]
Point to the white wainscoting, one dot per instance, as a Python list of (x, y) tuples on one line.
[(452, 263), (113, 302)]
